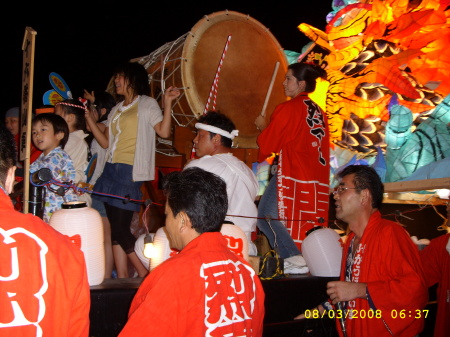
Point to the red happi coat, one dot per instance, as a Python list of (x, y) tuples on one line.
[(436, 264), (205, 290), (388, 261), (298, 131), (44, 289)]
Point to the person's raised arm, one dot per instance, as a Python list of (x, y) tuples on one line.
[(99, 135), (163, 127), (89, 96)]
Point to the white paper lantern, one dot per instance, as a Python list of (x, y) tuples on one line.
[(237, 240), (83, 226), (162, 246), (322, 251), (235, 236)]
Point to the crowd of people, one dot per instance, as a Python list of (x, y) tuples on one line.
[(215, 292)]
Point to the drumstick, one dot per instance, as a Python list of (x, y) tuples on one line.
[(269, 91)]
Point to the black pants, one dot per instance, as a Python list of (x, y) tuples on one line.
[(120, 220)]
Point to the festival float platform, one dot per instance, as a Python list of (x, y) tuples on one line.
[(285, 298)]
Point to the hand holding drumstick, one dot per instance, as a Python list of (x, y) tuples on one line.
[(260, 122)]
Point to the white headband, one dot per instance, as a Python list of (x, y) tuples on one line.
[(214, 129)]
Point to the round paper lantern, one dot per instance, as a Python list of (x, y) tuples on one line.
[(322, 251), (236, 240), (162, 246), (83, 226), (235, 236)]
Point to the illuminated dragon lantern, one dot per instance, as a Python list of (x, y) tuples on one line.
[(379, 55)]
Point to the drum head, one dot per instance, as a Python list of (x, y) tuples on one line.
[(245, 74)]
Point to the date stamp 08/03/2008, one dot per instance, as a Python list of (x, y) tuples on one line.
[(366, 314)]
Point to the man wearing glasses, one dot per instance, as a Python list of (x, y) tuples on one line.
[(382, 290)]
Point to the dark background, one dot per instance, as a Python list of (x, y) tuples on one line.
[(83, 42)]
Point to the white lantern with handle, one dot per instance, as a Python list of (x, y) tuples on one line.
[(83, 226)]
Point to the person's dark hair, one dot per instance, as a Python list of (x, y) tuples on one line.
[(136, 75), (199, 193), (104, 100), (220, 121), (59, 125), (366, 177), (7, 152), (308, 73), (76, 108)]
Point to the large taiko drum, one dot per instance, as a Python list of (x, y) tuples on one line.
[(192, 61)]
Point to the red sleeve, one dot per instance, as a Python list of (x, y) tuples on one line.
[(431, 259), (401, 283), (79, 325), (279, 131)]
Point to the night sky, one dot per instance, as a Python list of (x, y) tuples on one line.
[(84, 42)]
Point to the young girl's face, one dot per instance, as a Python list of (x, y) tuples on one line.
[(122, 85), (44, 137)]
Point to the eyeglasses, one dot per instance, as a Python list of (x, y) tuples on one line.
[(340, 189)]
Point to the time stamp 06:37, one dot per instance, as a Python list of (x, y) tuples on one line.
[(376, 314)]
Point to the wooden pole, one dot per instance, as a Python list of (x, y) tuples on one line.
[(28, 48)]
